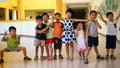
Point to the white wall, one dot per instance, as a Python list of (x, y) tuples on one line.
[(23, 27)]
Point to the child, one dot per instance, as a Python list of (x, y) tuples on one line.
[(39, 37), (111, 33), (68, 34), (12, 44), (81, 43), (57, 33), (92, 35), (49, 35)]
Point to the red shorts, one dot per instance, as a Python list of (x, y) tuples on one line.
[(49, 40)]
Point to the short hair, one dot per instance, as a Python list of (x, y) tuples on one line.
[(45, 14), (109, 13), (38, 17), (11, 28), (93, 11), (70, 11), (58, 14)]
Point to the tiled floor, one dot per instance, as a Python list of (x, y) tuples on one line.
[(15, 59)]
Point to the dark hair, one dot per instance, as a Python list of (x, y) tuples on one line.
[(38, 17), (93, 11), (83, 25), (45, 14), (11, 28), (108, 13), (70, 11), (58, 14)]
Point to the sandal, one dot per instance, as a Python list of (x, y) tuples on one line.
[(100, 57), (86, 61), (27, 58)]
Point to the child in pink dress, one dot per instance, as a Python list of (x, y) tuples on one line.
[(81, 44)]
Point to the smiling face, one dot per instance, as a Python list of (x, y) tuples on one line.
[(45, 18), (12, 32), (93, 16), (110, 17), (68, 15)]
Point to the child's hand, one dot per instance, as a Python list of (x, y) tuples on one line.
[(37, 31), (5, 33), (98, 12)]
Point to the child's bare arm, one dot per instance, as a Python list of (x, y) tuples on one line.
[(87, 31), (118, 16), (105, 21), (99, 26), (3, 38), (80, 20)]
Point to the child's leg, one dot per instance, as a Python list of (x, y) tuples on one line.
[(112, 51), (96, 50), (72, 50), (42, 51), (107, 51), (88, 52), (79, 53), (97, 53), (51, 50), (36, 50), (67, 50), (59, 51), (23, 49), (47, 49), (2, 52), (55, 51)]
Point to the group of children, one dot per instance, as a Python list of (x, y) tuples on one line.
[(57, 32)]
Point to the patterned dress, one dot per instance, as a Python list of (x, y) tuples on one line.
[(68, 34)]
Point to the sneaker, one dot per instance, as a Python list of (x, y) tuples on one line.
[(100, 57), (60, 56), (42, 57), (36, 58), (55, 57), (112, 57), (27, 58), (1, 61), (107, 57)]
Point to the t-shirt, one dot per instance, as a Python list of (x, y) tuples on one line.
[(111, 29), (93, 31), (12, 43), (57, 29), (50, 32), (40, 36)]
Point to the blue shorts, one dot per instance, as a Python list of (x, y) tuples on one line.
[(92, 41), (111, 41)]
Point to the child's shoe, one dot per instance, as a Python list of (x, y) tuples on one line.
[(107, 57), (55, 57), (1, 61), (36, 58), (60, 56), (42, 57), (100, 57), (27, 58), (86, 61), (112, 57)]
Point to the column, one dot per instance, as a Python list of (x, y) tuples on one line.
[(6, 14), (21, 11), (14, 15), (64, 8), (58, 7)]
